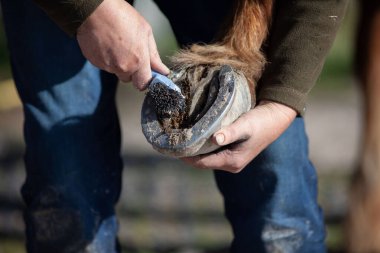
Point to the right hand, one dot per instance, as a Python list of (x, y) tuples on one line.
[(116, 38)]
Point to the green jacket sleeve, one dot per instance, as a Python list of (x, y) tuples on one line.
[(301, 35), (68, 14)]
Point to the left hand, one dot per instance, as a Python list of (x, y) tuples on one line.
[(244, 139)]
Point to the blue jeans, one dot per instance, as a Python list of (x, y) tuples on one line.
[(272, 204), (73, 159)]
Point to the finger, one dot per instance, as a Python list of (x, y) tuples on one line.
[(155, 60), (141, 78), (125, 78), (237, 131), (192, 161), (143, 75), (205, 161), (222, 160)]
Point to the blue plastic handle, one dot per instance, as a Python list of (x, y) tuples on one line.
[(154, 73), (159, 78)]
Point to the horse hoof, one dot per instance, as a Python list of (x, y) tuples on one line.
[(219, 102)]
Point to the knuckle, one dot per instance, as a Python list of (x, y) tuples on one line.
[(137, 60), (199, 164), (129, 65), (139, 83), (148, 29), (121, 66), (106, 65), (235, 170), (204, 162), (230, 134), (155, 55), (235, 167), (145, 28)]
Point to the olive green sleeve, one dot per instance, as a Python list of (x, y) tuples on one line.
[(68, 14), (301, 35)]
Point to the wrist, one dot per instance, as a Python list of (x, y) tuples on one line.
[(100, 15), (279, 109)]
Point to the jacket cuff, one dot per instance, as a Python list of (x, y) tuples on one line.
[(69, 14), (286, 96)]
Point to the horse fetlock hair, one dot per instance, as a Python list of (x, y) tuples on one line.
[(240, 43)]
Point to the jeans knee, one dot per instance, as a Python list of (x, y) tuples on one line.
[(53, 224), (54, 230), (282, 239), (63, 219), (293, 236)]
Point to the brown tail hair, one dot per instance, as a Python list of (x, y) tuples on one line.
[(240, 44)]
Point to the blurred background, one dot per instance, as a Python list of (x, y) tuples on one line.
[(167, 206)]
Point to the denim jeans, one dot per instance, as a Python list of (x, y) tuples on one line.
[(272, 203), (73, 162)]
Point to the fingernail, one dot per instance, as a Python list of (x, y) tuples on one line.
[(219, 139)]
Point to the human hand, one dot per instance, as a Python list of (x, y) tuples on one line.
[(116, 38), (244, 139)]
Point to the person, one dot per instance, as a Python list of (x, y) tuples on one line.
[(67, 78)]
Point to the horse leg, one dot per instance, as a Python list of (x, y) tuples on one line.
[(363, 220)]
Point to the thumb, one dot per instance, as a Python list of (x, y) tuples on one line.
[(155, 60), (237, 131)]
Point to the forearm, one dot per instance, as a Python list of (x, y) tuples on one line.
[(68, 14), (301, 36)]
